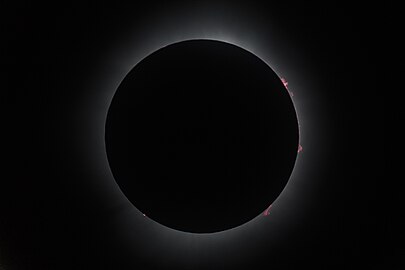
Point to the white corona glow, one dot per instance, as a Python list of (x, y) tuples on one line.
[(235, 28)]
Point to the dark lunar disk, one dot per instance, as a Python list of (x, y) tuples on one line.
[(201, 136)]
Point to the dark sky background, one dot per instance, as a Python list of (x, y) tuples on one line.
[(53, 214)]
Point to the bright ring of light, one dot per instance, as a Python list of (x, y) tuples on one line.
[(130, 223)]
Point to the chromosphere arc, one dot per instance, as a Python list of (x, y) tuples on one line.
[(201, 136)]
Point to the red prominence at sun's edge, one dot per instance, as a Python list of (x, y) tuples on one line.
[(267, 211), (285, 83)]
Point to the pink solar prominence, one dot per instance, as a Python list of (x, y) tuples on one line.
[(267, 211)]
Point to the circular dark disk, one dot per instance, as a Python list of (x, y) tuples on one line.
[(201, 136)]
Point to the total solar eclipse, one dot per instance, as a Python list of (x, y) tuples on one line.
[(201, 136)]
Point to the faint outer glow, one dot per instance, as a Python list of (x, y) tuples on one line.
[(163, 243), (267, 211)]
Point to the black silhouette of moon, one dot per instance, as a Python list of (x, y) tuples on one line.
[(201, 136)]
